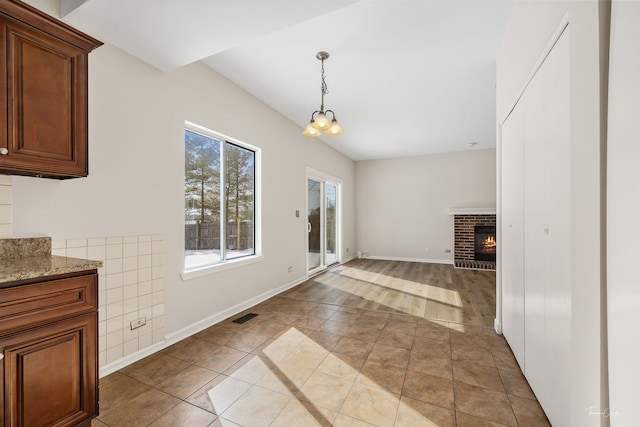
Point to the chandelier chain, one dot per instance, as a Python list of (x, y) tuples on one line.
[(323, 87)]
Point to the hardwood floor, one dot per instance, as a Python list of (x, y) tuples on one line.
[(430, 291)]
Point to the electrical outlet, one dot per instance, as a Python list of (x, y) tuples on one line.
[(138, 323), (290, 269), (447, 251)]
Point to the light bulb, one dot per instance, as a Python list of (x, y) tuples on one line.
[(321, 122), (311, 131), (335, 129)]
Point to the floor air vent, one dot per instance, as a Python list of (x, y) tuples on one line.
[(245, 318)]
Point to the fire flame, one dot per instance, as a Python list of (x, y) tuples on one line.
[(489, 242)]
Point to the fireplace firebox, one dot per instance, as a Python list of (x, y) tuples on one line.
[(485, 243)]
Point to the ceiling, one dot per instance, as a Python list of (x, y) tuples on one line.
[(405, 77)]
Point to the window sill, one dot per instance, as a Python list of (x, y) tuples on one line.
[(216, 268)]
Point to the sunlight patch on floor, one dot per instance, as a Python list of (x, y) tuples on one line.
[(317, 388), (422, 290)]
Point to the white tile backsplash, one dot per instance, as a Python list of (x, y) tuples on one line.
[(131, 286), (114, 240), (144, 275), (130, 263), (5, 194), (131, 305), (130, 291), (145, 288), (114, 251), (97, 241), (77, 252), (130, 347), (5, 214), (130, 239), (113, 354), (5, 230), (113, 265), (144, 261), (130, 277), (113, 280), (130, 249), (114, 295), (144, 248), (77, 243), (6, 201)]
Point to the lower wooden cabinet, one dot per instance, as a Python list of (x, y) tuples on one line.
[(49, 370)]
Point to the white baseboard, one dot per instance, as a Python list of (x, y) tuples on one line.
[(497, 326), (194, 328), (132, 358), (424, 260), (347, 259)]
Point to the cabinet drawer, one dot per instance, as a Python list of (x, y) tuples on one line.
[(37, 303)]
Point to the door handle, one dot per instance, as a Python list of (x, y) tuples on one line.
[(308, 227), (1, 356)]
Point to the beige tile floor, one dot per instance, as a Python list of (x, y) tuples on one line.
[(311, 363)]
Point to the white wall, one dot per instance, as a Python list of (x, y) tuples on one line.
[(529, 30), (402, 204), (136, 173), (623, 205)]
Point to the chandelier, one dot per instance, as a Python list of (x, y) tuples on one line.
[(319, 121)]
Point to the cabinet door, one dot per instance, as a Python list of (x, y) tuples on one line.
[(44, 107), (49, 375)]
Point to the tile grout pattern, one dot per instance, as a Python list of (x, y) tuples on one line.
[(130, 286), (313, 363)]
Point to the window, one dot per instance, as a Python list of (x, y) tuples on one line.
[(219, 195)]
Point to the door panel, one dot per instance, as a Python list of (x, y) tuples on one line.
[(513, 234), (314, 234), (331, 252)]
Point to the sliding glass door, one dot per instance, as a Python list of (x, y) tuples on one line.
[(331, 225), (322, 223), (314, 231)]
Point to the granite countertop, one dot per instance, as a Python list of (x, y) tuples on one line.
[(30, 258)]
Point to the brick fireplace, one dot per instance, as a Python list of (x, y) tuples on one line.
[(474, 238)]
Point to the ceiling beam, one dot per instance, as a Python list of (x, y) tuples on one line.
[(68, 6)]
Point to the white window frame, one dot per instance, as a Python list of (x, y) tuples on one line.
[(205, 270)]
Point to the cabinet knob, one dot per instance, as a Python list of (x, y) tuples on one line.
[(4, 151)]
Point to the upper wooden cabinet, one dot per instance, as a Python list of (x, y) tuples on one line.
[(43, 94)]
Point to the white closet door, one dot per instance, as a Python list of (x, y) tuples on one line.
[(547, 236), (557, 231), (535, 155), (512, 223)]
